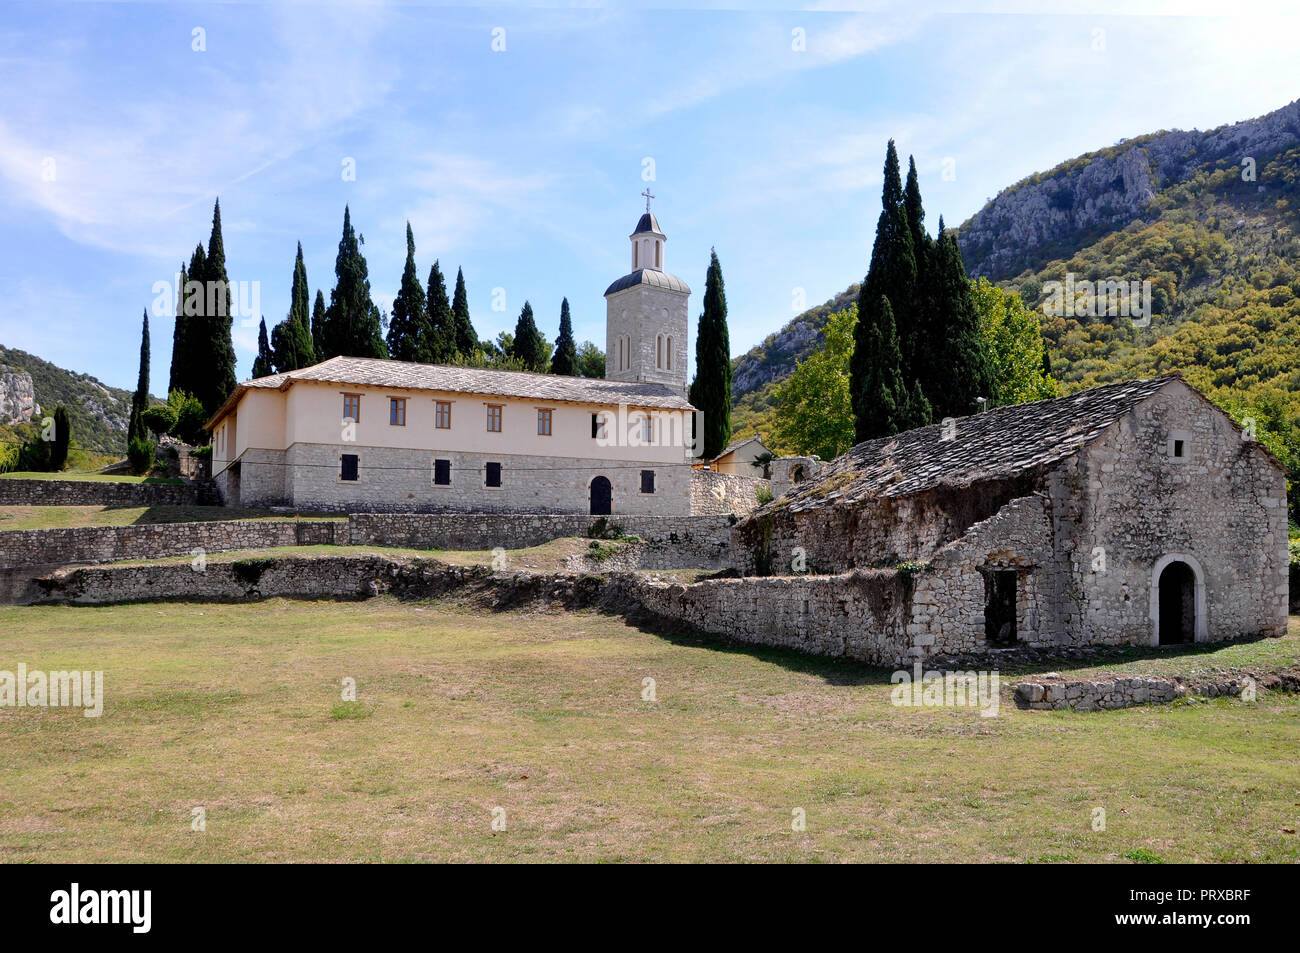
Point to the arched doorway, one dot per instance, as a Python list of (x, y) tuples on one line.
[(602, 497), (1178, 601)]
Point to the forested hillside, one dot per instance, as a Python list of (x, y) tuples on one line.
[(97, 413)]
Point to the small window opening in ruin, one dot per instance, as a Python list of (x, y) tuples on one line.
[(1178, 448), (796, 474), (1000, 591)]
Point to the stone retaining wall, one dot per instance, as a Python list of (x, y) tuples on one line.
[(101, 544), (669, 542), (96, 493)]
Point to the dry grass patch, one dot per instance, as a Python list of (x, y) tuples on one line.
[(238, 709)]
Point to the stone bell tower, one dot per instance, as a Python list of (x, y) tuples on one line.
[(646, 314)]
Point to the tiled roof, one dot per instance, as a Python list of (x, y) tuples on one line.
[(379, 372), (648, 276), (1000, 443)]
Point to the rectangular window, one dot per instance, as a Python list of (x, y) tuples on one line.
[(647, 430), (598, 426), (442, 415), (647, 481), (1178, 448), (442, 472), (494, 474), (544, 423), (348, 467), (397, 411), (352, 407), (494, 418)]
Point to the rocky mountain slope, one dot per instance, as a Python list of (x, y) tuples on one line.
[(1050, 214), (97, 413)]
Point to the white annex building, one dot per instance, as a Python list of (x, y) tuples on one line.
[(370, 435)]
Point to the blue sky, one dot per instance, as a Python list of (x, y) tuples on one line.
[(524, 166)]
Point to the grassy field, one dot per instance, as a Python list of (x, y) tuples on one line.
[(237, 709), (62, 517)]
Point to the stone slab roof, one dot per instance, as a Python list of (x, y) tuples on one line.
[(648, 276), (1004, 442), (380, 372)]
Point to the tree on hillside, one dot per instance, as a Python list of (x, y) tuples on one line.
[(710, 391), (140, 399), (565, 360), (264, 363), (437, 341), (466, 337), (410, 316), (890, 280), (1012, 343), (816, 415), (527, 344), (62, 440), (591, 360), (352, 325), (292, 346)]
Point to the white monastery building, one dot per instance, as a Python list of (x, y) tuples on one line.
[(373, 435)]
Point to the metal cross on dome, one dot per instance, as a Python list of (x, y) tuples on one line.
[(648, 197)]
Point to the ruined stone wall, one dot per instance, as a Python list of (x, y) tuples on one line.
[(19, 492), (100, 544), (860, 616), (879, 532), (949, 595), (717, 494)]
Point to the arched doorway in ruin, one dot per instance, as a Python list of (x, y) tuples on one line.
[(1177, 601)]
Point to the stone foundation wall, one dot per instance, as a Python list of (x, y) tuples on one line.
[(101, 544), (717, 494), (95, 493)]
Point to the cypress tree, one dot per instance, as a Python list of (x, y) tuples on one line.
[(565, 360), (710, 392), (292, 346), (352, 324), (264, 363), (957, 352), (180, 349), (318, 320), (140, 399), (215, 369), (437, 341), (187, 368), (919, 313), (466, 337), (62, 440), (527, 344), (891, 278), (884, 397), (409, 314)]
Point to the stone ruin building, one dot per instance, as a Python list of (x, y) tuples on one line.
[(1132, 513)]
